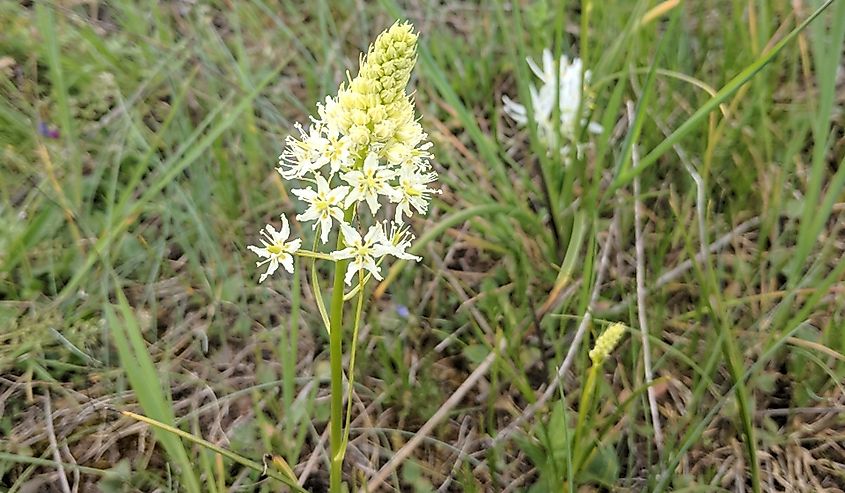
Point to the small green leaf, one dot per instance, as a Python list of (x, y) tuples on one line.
[(476, 353), (602, 468)]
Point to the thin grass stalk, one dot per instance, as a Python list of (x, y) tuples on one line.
[(641, 290), (726, 91), (730, 350), (733, 357)]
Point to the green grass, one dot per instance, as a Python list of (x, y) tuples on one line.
[(125, 283)]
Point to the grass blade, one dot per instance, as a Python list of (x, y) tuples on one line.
[(724, 93), (144, 380), (255, 466)]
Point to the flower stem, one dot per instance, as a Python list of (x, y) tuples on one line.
[(336, 359), (315, 255), (583, 410), (351, 373)]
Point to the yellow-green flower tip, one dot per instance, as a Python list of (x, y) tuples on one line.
[(606, 343), (390, 60), (373, 108)]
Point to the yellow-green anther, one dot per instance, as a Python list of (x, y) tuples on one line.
[(606, 343)]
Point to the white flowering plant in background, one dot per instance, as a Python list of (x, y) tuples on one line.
[(364, 154), (567, 80)]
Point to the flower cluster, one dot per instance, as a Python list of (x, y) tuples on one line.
[(366, 148), (606, 343), (568, 82)]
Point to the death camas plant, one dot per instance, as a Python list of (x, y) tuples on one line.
[(363, 155), (565, 83)]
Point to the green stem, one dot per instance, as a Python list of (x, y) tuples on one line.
[(583, 411), (351, 373), (336, 359), (314, 255)]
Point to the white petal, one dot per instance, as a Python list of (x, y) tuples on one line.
[(309, 215), (371, 162), (400, 209), (534, 68), (287, 174), (350, 235), (343, 254), (294, 245), (306, 194), (337, 194), (548, 66), (353, 177), (285, 232), (271, 268), (322, 185), (370, 265), (372, 201), (374, 234), (287, 263), (399, 253), (354, 196), (350, 273), (336, 213), (261, 252), (420, 204), (382, 249), (325, 229)]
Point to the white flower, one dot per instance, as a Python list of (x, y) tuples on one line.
[(323, 205), (276, 250), (337, 150), (412, 190), (404, 155), (569, 83), (332, 114), (398, 241), (368, 183), (303, 155), (363, 252)]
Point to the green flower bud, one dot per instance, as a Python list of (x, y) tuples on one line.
[(606, 343), (374, 104)]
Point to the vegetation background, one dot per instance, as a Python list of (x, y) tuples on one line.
[(138, 142)]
